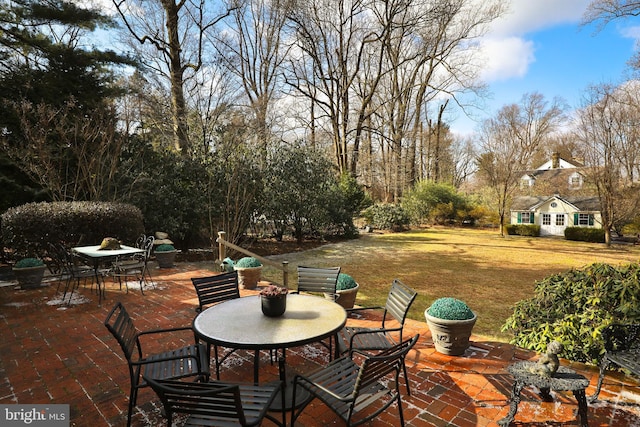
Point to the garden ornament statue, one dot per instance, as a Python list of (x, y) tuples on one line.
[(548, 363)]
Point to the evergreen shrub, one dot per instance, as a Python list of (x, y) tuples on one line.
[(27, 229), (386, 216), (531, 230), (584, 234), (248, 262), (574, 307), (345, 282), (450, 309)]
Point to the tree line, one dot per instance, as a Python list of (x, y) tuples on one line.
[(202, 98)]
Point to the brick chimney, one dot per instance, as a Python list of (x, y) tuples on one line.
[(555, 160)]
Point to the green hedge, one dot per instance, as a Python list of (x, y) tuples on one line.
[(523, 230), (574, 307), (27, 229), (386, 216), (584, 234)]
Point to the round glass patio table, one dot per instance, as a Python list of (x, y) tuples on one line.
[(239, 323)]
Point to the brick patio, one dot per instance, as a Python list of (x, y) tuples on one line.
[(52, 353)]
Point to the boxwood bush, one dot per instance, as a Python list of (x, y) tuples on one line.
[(386, 216), (523, 230), (584, 234), (28, 228), (574, 307)]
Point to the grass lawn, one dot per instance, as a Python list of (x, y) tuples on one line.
[(490, 273)]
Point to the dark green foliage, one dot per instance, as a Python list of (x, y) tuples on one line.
[(574, 307), (28, 263), (46, 63), (435, 202), (165, 247), (27, 229), (450, 309), (345, 282), (347, 199), (172, 194), (584, 234), (386, 216), (248, 262), (303, 196), (523, 230)]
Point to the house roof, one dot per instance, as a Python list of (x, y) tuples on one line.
[(529, 203)]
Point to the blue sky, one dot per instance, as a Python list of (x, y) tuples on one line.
[(540, 46)]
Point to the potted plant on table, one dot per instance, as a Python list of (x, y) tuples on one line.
[(249, 271), (450, 321), (346, 290), (29, 272), (273, 300), (165, 255)]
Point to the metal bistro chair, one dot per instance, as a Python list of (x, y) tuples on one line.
[(137, 266), (349, 388), (217, 403), (318, 280), (315, 280), (389, 334), (189, 361), (213, 290), (66, 267), (622, 350)]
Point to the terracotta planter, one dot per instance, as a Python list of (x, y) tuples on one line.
[(166, 259), (450, 337), (29, 277), (248, 277), (273, 306), (346, 297)]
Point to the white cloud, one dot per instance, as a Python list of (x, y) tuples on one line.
[(506, 58), (506, 50), (525, 16)]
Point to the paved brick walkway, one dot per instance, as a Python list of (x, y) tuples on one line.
[(51, 353)]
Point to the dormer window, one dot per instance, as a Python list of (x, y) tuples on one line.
[(526, 181), (575, 180)]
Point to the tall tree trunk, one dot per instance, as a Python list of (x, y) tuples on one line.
[(178, 104)]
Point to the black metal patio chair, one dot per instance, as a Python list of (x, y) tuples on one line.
[(68, 269), (389, 333), (350, 388), (136, 266), (217, 403), (319, 281), (213, 290), (188, 361)]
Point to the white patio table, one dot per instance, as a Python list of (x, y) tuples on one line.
[(99, 256)]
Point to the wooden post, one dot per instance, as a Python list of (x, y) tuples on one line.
[(222, 250), (285, 273)]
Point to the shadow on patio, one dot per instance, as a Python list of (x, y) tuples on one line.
[(53, 353)]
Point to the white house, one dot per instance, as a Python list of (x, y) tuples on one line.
[(555, 213), (563, 175)]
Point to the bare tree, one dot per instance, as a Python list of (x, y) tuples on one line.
[(509, 140), (170, 38), (254, 51), (606, 126), (606, 11), (435, 49), (603, 12), (333, 38), (75, 156)]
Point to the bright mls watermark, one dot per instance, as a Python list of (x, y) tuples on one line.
[(34, 415)]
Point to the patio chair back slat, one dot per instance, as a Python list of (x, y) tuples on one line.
[(318, 280), (215, 289), (216, 403)]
